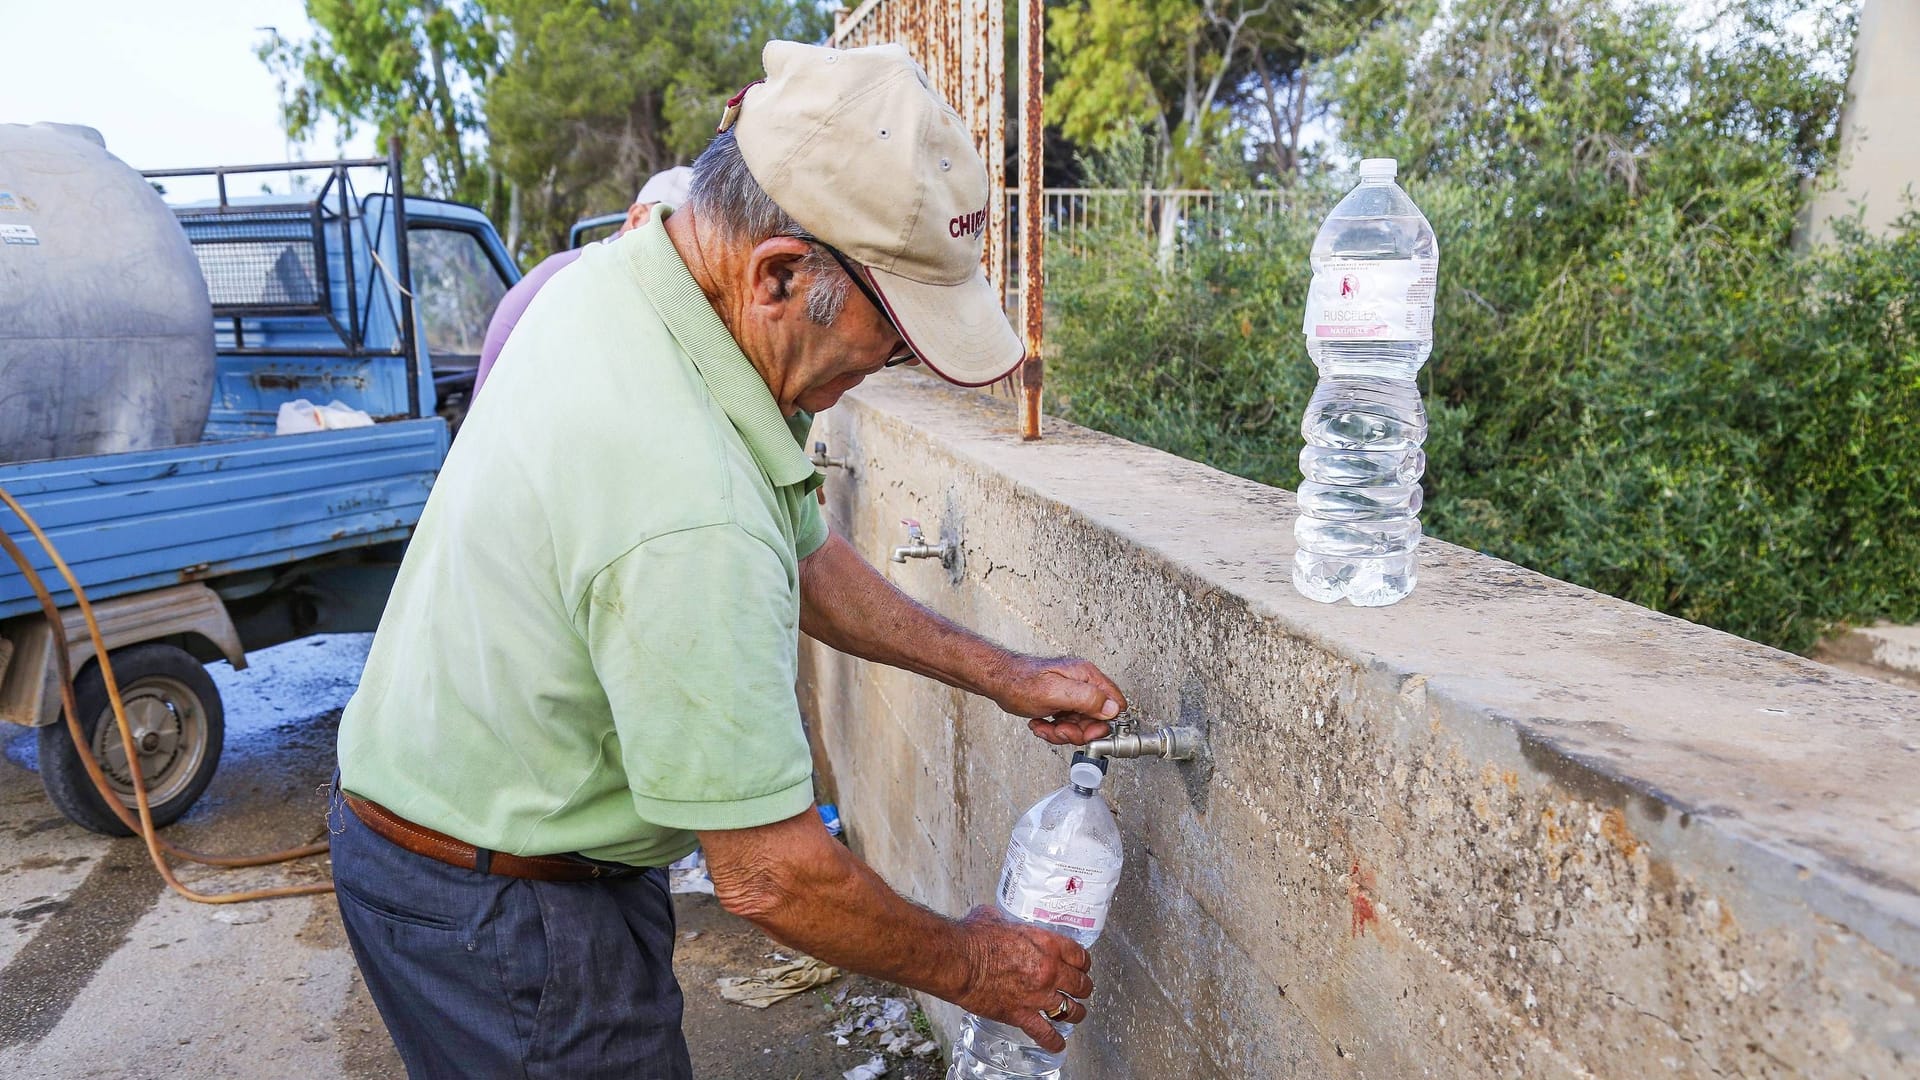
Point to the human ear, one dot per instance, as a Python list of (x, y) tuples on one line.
[(771, 269)]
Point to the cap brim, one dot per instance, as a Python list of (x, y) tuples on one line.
[(960, 332)]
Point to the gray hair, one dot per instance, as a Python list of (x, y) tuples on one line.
[(726, 196)]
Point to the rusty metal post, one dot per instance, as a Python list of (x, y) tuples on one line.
[(1033, 48), (985, 38), (962, 46)]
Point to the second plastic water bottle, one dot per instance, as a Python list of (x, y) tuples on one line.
[(1062, 866), (1369, 328)]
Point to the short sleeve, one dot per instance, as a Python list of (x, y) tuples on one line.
[(809, 526), (693, 636)]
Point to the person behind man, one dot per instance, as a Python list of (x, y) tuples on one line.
[(587, 664), (667, 186)]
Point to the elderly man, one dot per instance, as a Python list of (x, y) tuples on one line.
[(667, 186), (587, 664)]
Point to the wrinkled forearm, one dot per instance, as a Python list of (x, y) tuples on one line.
[(846, 604), (810, 893)]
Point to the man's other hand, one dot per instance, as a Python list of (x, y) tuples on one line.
[(1019, 972), (1065, 699)]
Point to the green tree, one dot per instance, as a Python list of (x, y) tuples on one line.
[(412, 68), (1204, 78), (592, 98), (538, 111)]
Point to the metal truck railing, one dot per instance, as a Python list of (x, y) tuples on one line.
[(273, 260)]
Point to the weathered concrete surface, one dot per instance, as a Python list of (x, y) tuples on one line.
[(1886, 652), (1508, 827)]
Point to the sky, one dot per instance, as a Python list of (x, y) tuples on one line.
[(168, 84)]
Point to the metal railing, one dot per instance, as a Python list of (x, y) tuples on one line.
[(1072, 214), (1174, 219)]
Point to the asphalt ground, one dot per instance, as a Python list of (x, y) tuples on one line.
[(106, 973)]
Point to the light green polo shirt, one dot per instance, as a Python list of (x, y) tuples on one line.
[(593, 639)]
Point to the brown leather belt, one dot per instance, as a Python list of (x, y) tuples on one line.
[(443, 848)]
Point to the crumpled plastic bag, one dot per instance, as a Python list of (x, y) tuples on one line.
[(887, 1020), (778, 983), (875, 1068), (689, 875), (300, 416)]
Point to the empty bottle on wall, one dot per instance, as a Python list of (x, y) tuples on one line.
[(1369, 328)]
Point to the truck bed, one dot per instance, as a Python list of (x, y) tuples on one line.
[(143, 519)]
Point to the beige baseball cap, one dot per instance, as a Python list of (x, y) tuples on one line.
[(855, 145)]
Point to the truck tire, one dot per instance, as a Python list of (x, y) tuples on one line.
[(175, 713)]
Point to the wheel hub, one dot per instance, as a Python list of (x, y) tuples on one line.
[(168, 736)]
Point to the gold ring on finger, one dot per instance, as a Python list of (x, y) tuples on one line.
[(1059, 1010)]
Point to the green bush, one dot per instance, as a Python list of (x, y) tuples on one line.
[(1636, 385)]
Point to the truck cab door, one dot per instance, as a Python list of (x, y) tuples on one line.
[(460, 272)]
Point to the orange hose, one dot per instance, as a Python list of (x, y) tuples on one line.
[(143, 827)]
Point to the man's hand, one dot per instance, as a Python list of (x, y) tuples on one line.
[(806, 890), (1065, 699), (1020, 972)]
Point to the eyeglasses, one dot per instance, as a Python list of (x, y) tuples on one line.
[(873, 298)]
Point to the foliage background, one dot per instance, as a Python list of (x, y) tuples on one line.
[(540, 112), (1638, 384)]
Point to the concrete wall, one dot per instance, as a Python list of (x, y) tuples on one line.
[(1508, 827), (1880, 123)]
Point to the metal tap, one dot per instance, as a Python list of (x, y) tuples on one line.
[(917, 547), (822, 461), (1172, 743)]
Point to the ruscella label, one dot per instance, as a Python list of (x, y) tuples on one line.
[(1060, 893), (1364, 300)]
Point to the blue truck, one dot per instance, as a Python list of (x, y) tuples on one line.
[(242, 538)]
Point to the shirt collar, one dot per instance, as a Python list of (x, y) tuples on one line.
[(730, 377)]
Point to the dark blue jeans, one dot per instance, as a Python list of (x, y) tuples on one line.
[(482, 976)]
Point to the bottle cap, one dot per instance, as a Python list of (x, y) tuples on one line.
[(1378, 168), (1087, 772)]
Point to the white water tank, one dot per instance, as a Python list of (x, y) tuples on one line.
[(106, 332)]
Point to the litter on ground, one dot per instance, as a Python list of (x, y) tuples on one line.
[(777, 983), (689, 875), (887, 1020)]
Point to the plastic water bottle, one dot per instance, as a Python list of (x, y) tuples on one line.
[(1369, 328), (1063, 863)]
